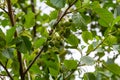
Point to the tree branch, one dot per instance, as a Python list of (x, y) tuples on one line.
[(12, 19), (10, 12), (11, 15), (32, 62), (54, 26), (21, 65), (6, 70), (33, 10)]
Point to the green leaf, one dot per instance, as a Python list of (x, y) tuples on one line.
[(3, 59), (95, 4), (5, 22), (10, 34), (58, 3), (114, 68), (116, 20), (38, 78), (70, 64), (100, 54), (90, 48), (53, 15), (110, 40), (87, 36), (42, 18), (35, 69), (43, 31), (2, 35), (15, 67), (73, 40), (2, 42), (8, 53), (89, 76), (102, 23), (53, 72), (102, 14), (29, 20), (87, 60), (14, 1), (23, 44), (39, 42), (79, 21), (2, 39), (86, 2)]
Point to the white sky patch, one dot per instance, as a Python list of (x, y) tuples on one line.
[(75, 54), (118, 60), (43, 7)]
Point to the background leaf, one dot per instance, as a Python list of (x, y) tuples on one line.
[(87, 60), (79, 21), (114, 68), (23, 44), (8, 53), (58, 3)]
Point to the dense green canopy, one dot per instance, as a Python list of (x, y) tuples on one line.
[(35, 45)]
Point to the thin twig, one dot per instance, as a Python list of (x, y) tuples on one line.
[(72, 71), (4, 10), (6, 70), (97, 46), (32, 62), (54, 26)]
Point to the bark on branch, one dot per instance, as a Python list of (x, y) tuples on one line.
[(12, 20)]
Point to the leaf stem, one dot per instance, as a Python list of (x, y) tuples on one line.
[(97, 46)]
